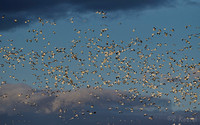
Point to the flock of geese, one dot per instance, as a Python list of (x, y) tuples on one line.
[(146, 66)]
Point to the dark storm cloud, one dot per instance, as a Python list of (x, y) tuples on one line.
[(8, 22), (13, 6), (58, 8)]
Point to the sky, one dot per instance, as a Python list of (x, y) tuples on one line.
[(62, 59)]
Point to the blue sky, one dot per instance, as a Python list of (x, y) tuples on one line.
[(50, 29)]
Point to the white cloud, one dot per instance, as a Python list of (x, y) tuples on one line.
[(21, 100)]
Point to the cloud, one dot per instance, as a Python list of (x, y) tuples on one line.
[(55, 9), (21, 104), (192, 2), (8, 22), (12, 6), (15, 96)]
